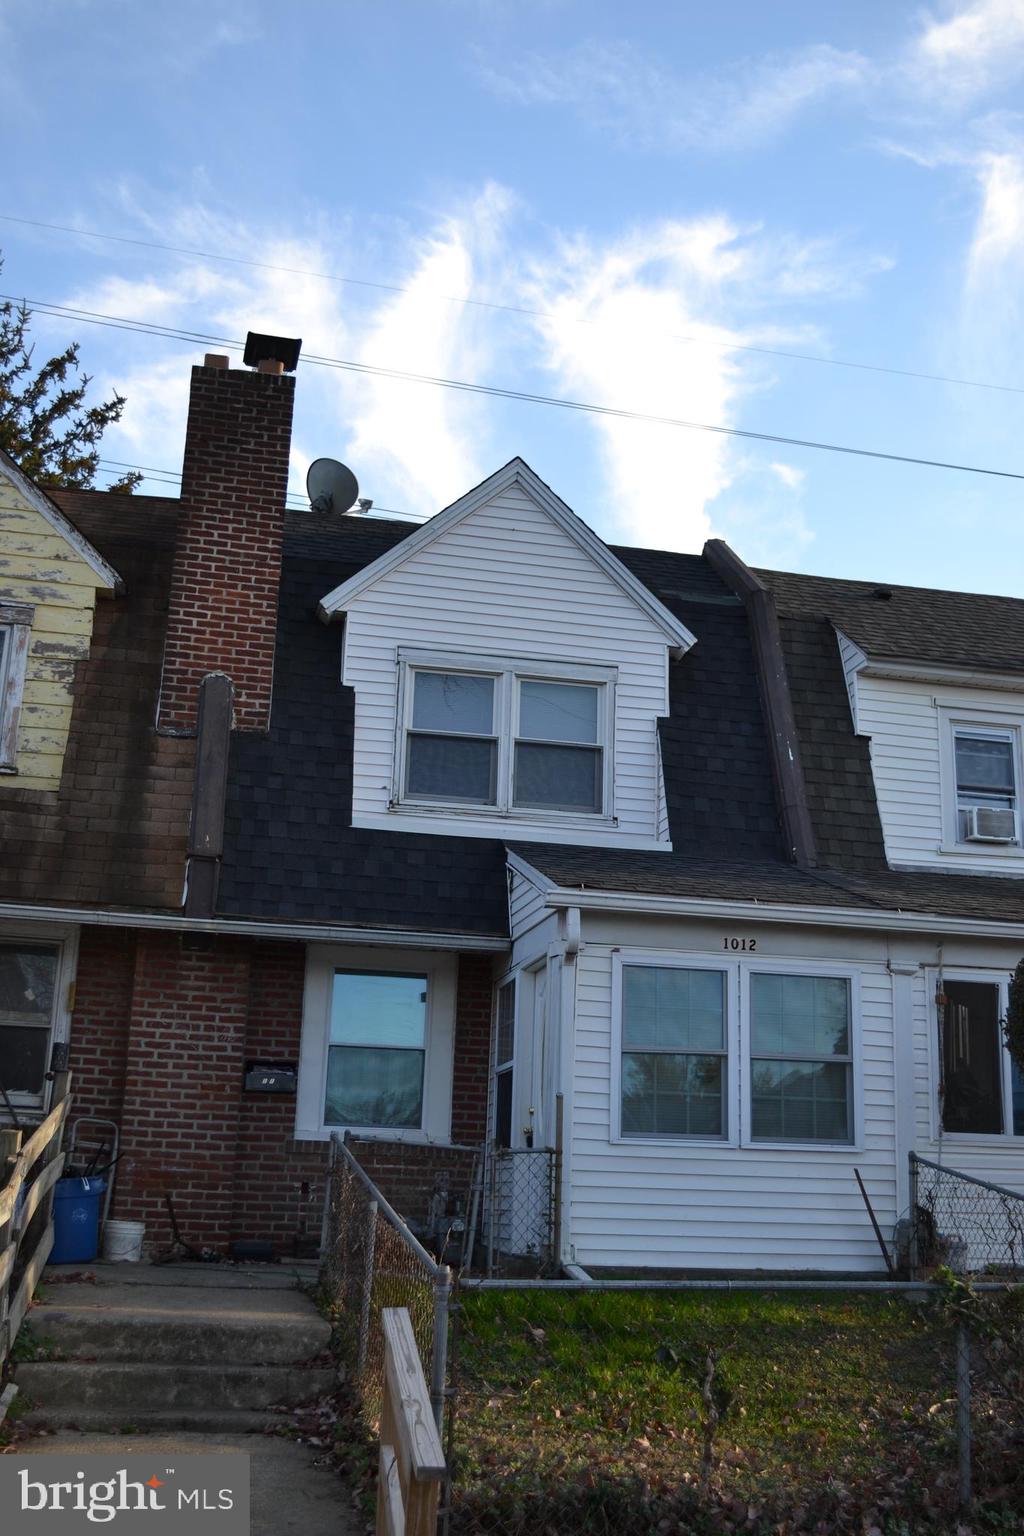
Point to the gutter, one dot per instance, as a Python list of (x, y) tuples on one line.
[(779, 912), (326, 933)]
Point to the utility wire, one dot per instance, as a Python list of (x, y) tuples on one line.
[(494, 391), (510, 309), (296, 498)]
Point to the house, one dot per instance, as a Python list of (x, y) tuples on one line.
[(446, 834)]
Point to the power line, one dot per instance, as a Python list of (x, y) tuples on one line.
[(494, 391), (510, 309), (296, 498)]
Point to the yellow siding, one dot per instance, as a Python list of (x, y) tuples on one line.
[(38, 567)]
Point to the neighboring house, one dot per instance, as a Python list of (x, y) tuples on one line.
[(460, 820)]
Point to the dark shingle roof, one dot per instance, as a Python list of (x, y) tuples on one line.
[(966, 629), (290, 851), (668, 874)]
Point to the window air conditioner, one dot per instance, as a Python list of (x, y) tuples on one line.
[(989, 824)]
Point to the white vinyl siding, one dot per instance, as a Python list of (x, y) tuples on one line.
[(508, 582), (911, 760), (663, 1203)]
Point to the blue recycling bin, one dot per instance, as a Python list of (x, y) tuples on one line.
[(76, 1220)]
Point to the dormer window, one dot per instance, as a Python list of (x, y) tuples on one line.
[(521, 738), (986, 783)]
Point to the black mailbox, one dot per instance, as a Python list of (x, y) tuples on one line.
[(271, 1076)]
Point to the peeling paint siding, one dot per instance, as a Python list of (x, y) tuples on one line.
[(38, 567)]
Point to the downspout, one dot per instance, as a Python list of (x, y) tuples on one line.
[(776, 699), (571, 943)]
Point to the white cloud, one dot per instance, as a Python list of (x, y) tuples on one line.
[(618, 88), (426, 442), (998, 240), (616, 316), (791, 477), (971, 49)]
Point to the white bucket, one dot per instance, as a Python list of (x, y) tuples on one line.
[(122, 1241)]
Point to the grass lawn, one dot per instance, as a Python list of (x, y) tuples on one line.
[(573, 1415)]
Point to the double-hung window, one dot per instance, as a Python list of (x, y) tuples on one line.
[(801, 1060), (519, 739), (986, 780), (376, 1051), (674, 1052), (745, 1052), (15, 628)]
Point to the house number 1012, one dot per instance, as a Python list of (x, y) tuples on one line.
[(750, 945)]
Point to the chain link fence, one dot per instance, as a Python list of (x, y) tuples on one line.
[(372, 1260), (974, 1227), (518, 1212)]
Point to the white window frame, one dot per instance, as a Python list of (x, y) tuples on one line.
[(1002, 725), (739, 1116), (16, 623), (757, 965), (65, 941), (674, 960), (508, 672), (322, 960), (511, 1065), (995, 978)]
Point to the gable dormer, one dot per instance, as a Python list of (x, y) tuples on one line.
[(509, 673), (947, 757), (49, 580)]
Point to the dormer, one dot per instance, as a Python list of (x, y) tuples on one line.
[(49, 580), (947, 754), (509, 674)]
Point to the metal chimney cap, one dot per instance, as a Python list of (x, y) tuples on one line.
[(278, 349)]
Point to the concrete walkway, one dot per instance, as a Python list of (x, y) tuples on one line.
[(291, 1494)]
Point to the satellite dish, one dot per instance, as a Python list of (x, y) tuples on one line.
[(330, 486)]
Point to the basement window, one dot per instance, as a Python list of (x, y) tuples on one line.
[(15, 629)]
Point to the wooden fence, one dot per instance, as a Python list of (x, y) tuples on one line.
[(27, 1177), (412, 1466)]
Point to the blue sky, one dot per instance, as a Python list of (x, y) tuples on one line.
[(675, 192)]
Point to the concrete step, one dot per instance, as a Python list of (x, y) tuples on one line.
[(222, 1421), (121, 1392), (125, 1323)]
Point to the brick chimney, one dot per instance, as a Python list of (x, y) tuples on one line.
[(222, 614)]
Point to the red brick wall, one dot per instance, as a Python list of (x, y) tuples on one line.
[(227, 562), (99, 1027), (161, 1032), (472, 1049), (182, 1099), (279, 1182), (409, 1175)]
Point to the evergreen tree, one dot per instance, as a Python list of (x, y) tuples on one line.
[(45, 425)]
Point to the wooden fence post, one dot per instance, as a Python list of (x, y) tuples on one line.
[(412, 1465)]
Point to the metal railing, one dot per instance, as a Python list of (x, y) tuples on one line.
[(967, 1223), (372, 1261)]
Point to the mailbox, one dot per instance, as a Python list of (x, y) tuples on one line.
[(271, 1076)]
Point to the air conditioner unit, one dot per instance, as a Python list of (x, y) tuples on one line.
[(990, 824)]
